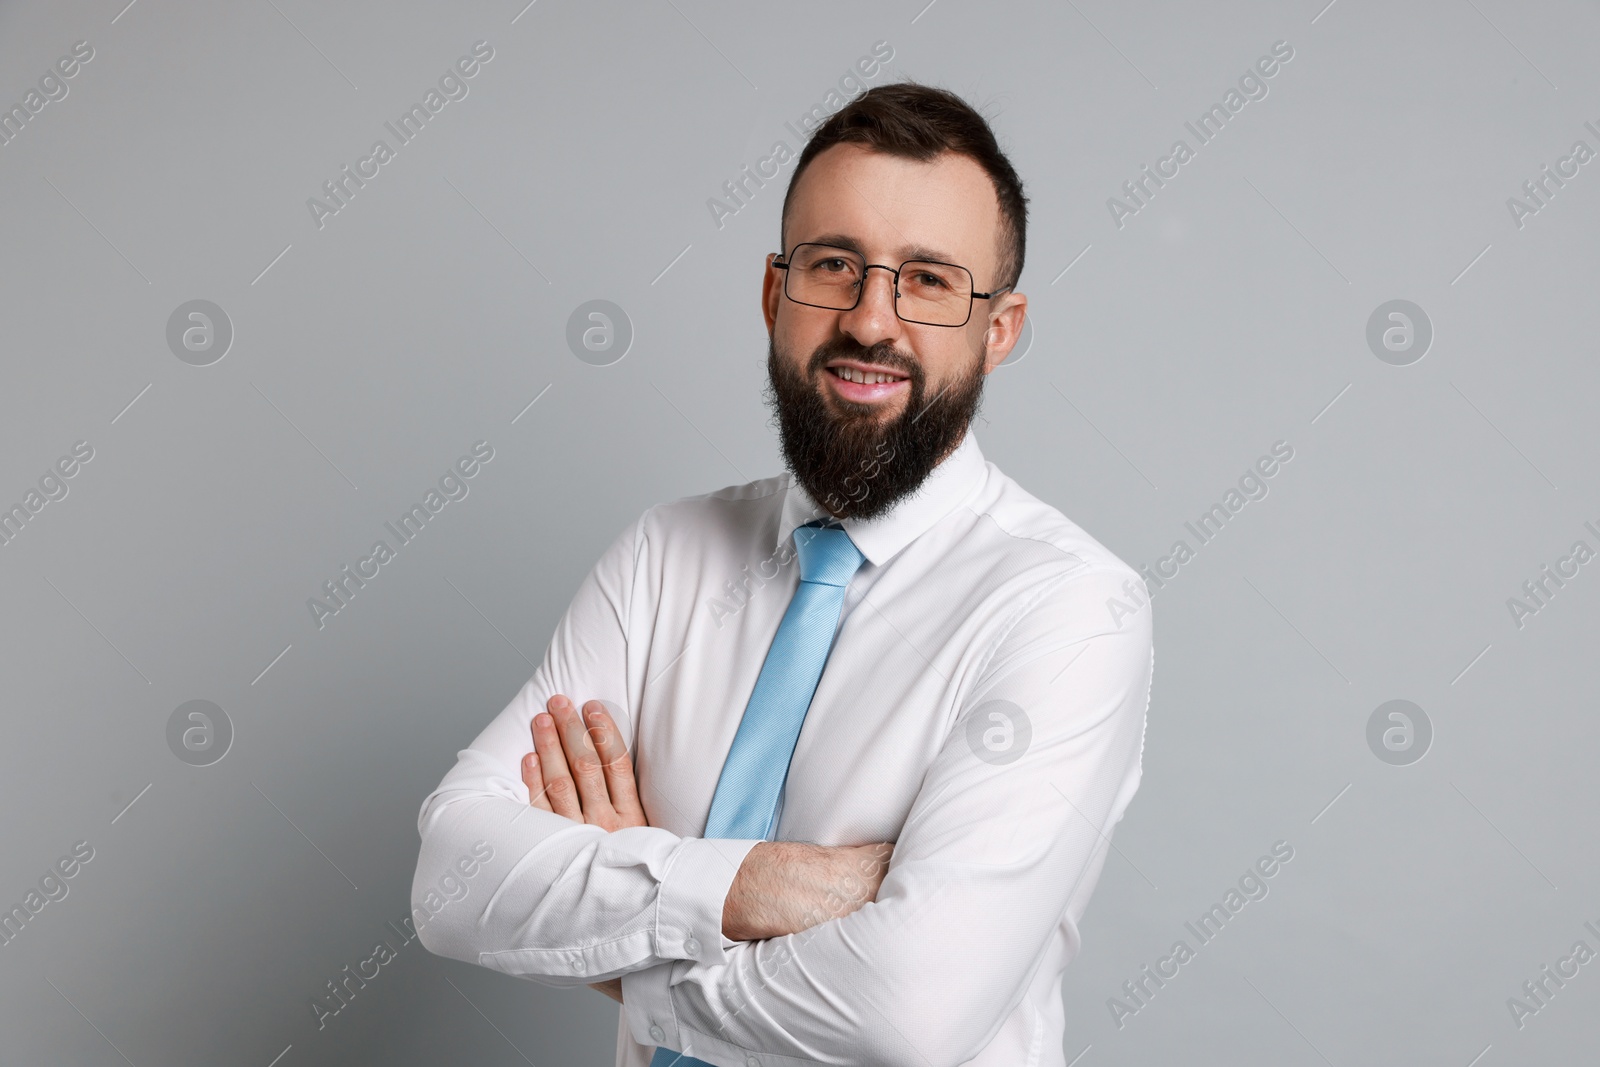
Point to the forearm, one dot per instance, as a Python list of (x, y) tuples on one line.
[(918, 976), (784, 887), (567, 903)]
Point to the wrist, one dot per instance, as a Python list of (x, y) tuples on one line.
[(784, 887), (774, 877), (745, 910)]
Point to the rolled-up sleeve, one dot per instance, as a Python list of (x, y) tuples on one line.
[(1004, 843), (557, 901)]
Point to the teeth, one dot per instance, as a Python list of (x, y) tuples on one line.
[(861, 377)]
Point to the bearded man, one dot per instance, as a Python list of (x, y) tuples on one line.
[(854, 737)]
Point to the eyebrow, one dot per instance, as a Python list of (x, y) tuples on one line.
[(905, 252)]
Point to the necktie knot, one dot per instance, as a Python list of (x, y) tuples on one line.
[(827, 555)]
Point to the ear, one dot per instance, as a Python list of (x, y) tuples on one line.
[(771, 293), (1004, 329)]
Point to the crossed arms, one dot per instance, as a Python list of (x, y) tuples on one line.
[(580, 769), (992, 864)]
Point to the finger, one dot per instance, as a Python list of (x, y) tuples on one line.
[(584, 764), (534, 781), (618, 765), (558, 784), (532, 777)]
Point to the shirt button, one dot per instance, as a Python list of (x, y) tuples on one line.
[(578, 966), (657, 1034), (751, 1061), (692, 947)]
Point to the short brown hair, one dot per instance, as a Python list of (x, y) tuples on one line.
[(920, 122)]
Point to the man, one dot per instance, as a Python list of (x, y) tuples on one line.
[(884, 710)]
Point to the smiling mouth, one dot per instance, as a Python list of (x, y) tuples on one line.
[(868, 388), (865, 377)]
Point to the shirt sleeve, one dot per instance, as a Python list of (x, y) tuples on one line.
[(1004, 843), (533, 894)]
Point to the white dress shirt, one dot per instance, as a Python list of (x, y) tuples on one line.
[(973, 591)]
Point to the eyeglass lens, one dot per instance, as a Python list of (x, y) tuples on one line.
[(928, 292)]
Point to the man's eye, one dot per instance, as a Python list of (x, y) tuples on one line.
[(930, 280), (832, 265)]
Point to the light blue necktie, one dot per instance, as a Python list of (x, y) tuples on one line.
[(745, 804)]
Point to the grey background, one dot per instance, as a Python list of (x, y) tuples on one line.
[(1228, 314)]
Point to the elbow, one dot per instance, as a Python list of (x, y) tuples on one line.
[(431, 932), (442, 911), (431, 941)]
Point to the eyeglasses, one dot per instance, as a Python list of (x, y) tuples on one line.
[(925, 291)]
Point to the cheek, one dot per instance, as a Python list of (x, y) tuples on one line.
[(954, 359), (795, 342)]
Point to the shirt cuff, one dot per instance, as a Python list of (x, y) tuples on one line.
[(649, 1015), (647, 1006), (691, 897)]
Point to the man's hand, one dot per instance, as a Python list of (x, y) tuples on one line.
[(612, 988), (784, 887), (581, 772), (584, 774)]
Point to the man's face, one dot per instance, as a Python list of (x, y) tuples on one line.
[(858, 447)]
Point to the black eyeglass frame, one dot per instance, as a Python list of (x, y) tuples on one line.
[(861, 286)]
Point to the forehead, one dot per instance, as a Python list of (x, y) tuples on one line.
[(896, 208)]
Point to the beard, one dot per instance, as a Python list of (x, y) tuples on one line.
[(852, 461)]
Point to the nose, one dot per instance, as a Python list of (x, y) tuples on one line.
[(873, 319)]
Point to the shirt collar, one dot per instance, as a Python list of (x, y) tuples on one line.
[(882, 537)]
